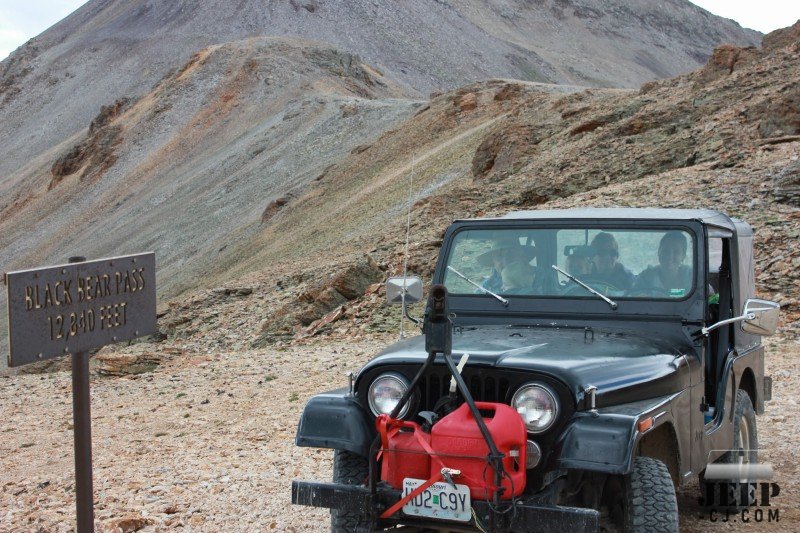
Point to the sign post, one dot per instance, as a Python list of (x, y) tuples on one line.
[(82, 435), (72, 309)]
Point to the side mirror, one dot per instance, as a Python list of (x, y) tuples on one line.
[(764, 315), (410, 286)]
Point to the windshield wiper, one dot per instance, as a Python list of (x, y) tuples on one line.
[(609, 301), (482, 289)]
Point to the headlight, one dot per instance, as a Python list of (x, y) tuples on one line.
[(385, 392), (537, 405)]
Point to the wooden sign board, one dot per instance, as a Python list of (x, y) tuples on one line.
[(76, 307)]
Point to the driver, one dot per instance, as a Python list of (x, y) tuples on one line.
[(518, 278), (505, 250), (670, 275), (606, 267), (579, 261)]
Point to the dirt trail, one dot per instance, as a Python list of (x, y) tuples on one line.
[(418, 159)]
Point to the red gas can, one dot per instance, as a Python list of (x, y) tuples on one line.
[(403, 455), (459, 444)]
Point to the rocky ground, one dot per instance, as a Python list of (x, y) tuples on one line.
[(204, 441)]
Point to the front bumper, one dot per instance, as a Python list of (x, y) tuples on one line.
[(526, 517)]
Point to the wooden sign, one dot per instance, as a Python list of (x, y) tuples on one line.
[(76, 307)]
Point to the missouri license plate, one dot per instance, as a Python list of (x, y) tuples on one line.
[(440, 501)]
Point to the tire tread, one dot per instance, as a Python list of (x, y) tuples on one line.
[(348, 469), (652, 505)]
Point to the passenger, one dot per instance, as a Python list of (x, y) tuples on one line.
[(671, 275), (505, 250), (518, 278), (606, 267)]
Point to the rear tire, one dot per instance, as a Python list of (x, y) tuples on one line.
[(745, 433), (745, 444), (348, 469)]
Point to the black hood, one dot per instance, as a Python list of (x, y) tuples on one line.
[(623, 366)]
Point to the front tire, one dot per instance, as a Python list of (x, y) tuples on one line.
[(645, 499), (348, 469)]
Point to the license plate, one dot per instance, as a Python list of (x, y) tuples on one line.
[(440, 501)]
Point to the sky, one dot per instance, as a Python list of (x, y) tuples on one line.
[(22, 19)]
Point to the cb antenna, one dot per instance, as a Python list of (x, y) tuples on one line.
[(403, 311)]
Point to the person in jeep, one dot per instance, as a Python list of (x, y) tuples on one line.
[(607, 267), (671, 274), (505, 250), (577, 406), (518, 278)]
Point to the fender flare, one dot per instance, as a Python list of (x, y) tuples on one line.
[(337, 421), (602, 443), (607, 441)]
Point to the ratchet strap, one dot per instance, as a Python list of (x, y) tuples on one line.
[(411, 495)]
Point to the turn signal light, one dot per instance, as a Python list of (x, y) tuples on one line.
[(533, 455), (645, 424)]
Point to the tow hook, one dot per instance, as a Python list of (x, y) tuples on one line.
[(447, 474)]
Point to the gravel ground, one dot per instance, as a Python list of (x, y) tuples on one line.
[(205, 442)]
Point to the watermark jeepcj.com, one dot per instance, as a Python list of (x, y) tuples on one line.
[(740, 493)]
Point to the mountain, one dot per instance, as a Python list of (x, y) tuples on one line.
[(201, 156), (109, 49), (193, 129)]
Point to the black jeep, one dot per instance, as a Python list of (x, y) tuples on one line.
[(627, 341)]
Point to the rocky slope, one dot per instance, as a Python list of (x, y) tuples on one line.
[(183, 129), (724, 137), (237, 129), (109, 49)]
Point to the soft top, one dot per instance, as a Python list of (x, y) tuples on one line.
[(706, 216)]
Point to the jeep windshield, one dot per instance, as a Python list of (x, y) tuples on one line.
[(619, 263)]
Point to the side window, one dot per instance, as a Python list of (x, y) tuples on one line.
[(714, 264)]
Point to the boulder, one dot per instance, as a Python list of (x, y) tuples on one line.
[(787, 185), (354, 280), (273, 208), (468, 102), (124, 364), (725, 59), (779, 116), (128, 524), (318, 302), (485, 155), (96, 153)]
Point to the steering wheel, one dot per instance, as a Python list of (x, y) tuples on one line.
[(603, 287), (648, 291)]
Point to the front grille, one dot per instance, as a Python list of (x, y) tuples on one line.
[(488, 384), (436, 384)]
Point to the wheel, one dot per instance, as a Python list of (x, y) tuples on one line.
[(745, 434), (644, 500), (745, 444), (348, 469)]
